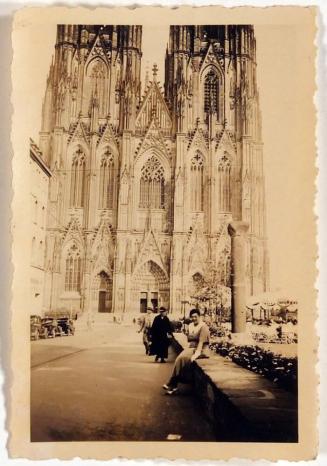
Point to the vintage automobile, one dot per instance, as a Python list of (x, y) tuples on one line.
[(50, 328), (35, 323), (67, 326), (176, 325)]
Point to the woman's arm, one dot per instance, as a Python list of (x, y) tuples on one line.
[(142, 326), (203, 337), (197, 352)]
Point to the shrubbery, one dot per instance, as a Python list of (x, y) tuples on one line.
[(279, 369), (217, 331)]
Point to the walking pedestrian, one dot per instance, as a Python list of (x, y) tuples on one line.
[(198, 339), (161, 333), (145, 327)]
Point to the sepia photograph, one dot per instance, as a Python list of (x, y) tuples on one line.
[(169, 233)]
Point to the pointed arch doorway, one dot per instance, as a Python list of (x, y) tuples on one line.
[(104, 292), (150, 287)]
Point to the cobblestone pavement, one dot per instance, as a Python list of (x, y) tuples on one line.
[(99, 385)]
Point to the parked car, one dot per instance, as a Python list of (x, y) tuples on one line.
[(35, 325), (67, 325), (50, 328), (176, 325)]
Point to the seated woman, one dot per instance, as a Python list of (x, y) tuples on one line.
[(198, 338)]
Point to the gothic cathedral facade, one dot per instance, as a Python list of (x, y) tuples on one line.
[(145, 183)]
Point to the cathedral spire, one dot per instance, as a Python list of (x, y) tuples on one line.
[(154, 72), (146, 81)]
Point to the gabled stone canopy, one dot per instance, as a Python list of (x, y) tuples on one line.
[(153, 106), (73, 233), (225, 142), (100, 50), (153, 139), (211, 59), (198, 141), (150, 251), (79, 133), (108, 136), (103, 249)]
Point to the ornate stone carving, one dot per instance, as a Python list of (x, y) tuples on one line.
[(74, 233), (150, 251), (79, 133)]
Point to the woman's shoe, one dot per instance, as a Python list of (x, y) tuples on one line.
[(162, 360), (172, 391), (156, 359)]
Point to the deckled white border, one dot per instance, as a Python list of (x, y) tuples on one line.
[(6, 10)]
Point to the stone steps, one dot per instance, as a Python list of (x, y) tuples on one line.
[(99, 320)]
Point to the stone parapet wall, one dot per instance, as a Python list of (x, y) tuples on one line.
[(242, 406)]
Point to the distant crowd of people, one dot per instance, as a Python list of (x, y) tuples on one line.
[(157, 335), (275, 320)]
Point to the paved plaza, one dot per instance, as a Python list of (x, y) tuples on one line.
[(99, 385)]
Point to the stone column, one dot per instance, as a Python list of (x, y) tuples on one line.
[(237, 231)]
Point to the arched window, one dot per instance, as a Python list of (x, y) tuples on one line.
[(211, 92), (73, 270), (96, 85), (197, 182), (152, 185), (224, 167), (107, 181), (77, 188)]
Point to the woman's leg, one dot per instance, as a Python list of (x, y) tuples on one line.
[(182, 362), (146, 343)]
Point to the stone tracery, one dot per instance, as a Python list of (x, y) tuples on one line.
[(107, 180), (77, 188), (73, 269), (211, 92), (152, 184)]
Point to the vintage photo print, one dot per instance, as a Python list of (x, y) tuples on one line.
[(163, 233)]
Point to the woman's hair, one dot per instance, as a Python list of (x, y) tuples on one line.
[(194, 311)]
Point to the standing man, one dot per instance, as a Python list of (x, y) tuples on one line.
[(146, 325), (161, 332)]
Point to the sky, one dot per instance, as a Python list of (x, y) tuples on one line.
[(280, 79)]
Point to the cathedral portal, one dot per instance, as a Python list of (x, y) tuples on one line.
[(101, 295), (150, 287)]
